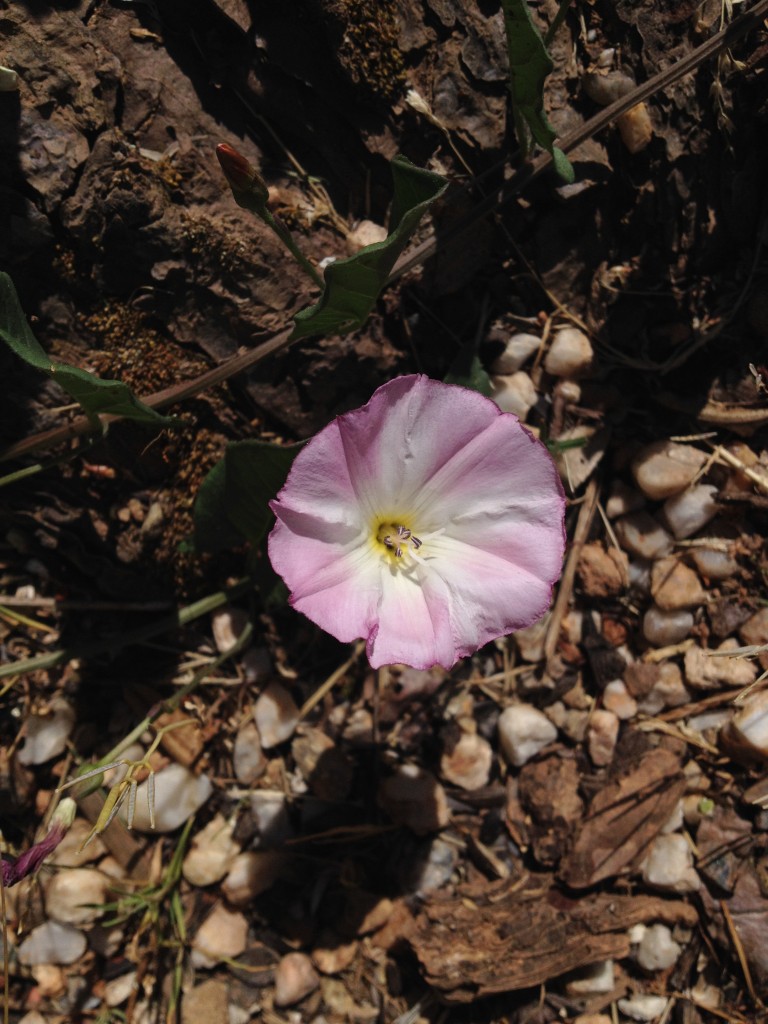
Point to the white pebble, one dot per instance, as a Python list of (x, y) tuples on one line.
[(178, 795), (269, 808), (295, 978), (570, 354), (669, 865), (665, 468), (52, 943), (709, 673), (47, 732), (605, 89), (715, 565), (467, 763), (593, 980), (709, 722), (431, 873), (518, 349), (747, 731), (663, 628), (622, 500), (251, 874), (247, 757), (119, 989), (227, 624), (222, 935), (515, 394), (530, 641), (70, 892), (523, 732), (69, 852), (667, 692), (675, 821), (276, 716), (602, 734), (618, 699), (642, 1007), (212, 854), (365, 232), (686, 513), (606, 56), (642, 536)]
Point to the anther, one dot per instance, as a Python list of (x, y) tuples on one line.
[(397, 540)]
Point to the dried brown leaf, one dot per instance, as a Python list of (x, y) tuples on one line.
[(623, 819)]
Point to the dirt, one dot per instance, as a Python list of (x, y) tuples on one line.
[(132, 260)]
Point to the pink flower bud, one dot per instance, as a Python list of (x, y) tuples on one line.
[(242, 177)]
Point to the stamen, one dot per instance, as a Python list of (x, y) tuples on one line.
[(397, 538)]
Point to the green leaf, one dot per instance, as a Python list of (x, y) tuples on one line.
[(95, 395), (232, 503), (529, 65), (468, 372), (352, 285)]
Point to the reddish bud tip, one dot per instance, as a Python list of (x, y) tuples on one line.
[(241, 175)]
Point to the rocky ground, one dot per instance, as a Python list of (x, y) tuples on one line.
[(571, 825)]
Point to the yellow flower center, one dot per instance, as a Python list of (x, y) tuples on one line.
[(395, 539)]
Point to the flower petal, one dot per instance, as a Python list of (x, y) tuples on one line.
[(413, 626), (503, 473), (318, 483), (489, 597), (331, 571), (407, 431)]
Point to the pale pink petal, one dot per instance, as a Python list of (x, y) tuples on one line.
[(488, 596), (407, 431), (503, 473), (318, 483), (413, 625), (334, 581)]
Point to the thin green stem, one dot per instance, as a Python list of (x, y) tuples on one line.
[(165, 707), (40, 467), (286, 238), (168, 622)]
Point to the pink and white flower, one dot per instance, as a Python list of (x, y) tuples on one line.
[(427, 522)]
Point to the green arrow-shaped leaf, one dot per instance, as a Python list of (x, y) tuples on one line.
[(352, 285), (92, 393)]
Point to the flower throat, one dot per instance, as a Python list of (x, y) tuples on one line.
[(397, 539)]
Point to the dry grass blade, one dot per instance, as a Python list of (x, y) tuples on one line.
[(738, 946)]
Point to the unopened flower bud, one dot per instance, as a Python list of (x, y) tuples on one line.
[(29, 862), (242, 177)]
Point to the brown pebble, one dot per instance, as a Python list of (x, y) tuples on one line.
[(674, 586), (602, 573), (333, 954)]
